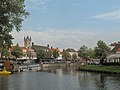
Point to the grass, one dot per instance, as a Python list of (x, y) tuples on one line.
[(99, 68)]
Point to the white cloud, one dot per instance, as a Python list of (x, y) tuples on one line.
[(108, 16), (57, 38), (73, 38), (36, 36)]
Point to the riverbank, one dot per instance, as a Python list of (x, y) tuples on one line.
[(101, 69)]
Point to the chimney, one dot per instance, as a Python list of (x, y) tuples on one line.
[(48, 45), (51, 47), (30, 38), (24, 38), (118, 42)]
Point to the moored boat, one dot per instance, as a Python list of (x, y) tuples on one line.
[(4, 72)]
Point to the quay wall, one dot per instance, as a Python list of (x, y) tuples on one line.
[(18, 68), (59, 65)]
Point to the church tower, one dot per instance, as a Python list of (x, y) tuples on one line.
[(27, 42)]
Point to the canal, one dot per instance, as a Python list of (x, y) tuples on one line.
[(59, 79)]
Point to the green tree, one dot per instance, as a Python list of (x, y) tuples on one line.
[(17, 52), (41, 54), (83, 52), (66, 55), (101, 50), (5, 53), (12, 13), (91, 53), (86, 53), (74, 56), (55, 53)]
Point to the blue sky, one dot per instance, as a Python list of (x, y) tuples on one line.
[(71, 23)]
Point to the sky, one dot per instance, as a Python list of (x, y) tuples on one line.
[(71, 23)]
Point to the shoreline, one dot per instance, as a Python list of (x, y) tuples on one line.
[(101, 69)]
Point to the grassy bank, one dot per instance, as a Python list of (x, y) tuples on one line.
[(102, 69)]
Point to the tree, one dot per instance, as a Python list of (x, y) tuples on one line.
[(66, 55), (12, 13), (83, 52), (91, 53), (74, 56), (41, 54), (86, 53), (17, 52), (101, 50), (5, 53), (55, 53)]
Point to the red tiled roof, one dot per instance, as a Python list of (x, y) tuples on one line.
[(118, 50), (12, 47), (22, 48), (55, 49)]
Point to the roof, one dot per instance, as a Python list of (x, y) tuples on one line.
[(13, 47), (55, 49), (114, 44), (116, 48), (37, 47)]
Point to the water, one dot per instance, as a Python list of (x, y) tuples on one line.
[(59, 79)]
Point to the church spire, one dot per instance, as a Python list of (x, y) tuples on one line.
[(24, 38), (30, 38), (27, 42)]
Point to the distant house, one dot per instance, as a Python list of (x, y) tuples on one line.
[(55, 49), (47, 50), (114, 54), (72, 52), (30, 50), (27, 52), (60, 56), (24, 52)]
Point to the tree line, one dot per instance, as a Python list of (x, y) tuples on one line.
[(98, 52)]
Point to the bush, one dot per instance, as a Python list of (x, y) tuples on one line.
[(112, 64)]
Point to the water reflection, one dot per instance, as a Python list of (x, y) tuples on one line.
[(3, 83), (91, 81), (60, 78), (97, 81)]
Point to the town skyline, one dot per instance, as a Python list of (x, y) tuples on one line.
[(59, 45), (71, 23)]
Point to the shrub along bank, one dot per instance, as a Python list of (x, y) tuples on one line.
[(101, 69)]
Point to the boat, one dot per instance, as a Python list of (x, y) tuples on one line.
[(4, 72)]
